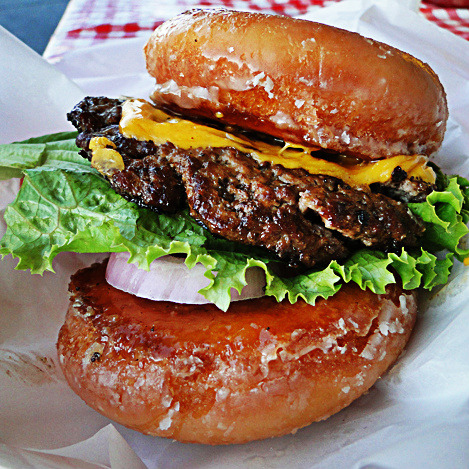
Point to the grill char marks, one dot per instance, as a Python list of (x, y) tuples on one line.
[(94, 113), (150, 182), (148, 179), (303, 218), (402, 188), (239, 200), (372, 218)]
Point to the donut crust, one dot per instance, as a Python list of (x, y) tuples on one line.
[(301, 81), (196, 374)]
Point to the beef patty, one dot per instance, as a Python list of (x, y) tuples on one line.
[(305, 219)]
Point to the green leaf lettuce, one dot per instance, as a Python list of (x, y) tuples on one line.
[(65, 205)]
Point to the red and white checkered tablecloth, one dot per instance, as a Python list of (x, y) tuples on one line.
[(88, 22), (455, 20)]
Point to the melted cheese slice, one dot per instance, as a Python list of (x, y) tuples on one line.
[(104, 157), (142, 121)]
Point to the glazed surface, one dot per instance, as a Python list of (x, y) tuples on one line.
[(197, 374), (300, 81)]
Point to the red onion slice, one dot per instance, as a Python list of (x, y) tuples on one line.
[(169, 279)]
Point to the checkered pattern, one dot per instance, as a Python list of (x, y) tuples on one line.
[(455, 20), (88, 22)]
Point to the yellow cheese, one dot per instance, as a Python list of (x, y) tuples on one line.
[(142, 121), (103, 156)]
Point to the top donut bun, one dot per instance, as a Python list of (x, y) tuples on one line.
[(303, 82)]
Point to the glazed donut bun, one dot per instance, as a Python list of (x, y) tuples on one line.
[(193, 373), (300, 81)]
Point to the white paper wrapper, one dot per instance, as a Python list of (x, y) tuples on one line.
[(32, 103), (416, 416)]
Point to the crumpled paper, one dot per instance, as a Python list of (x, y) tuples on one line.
[(415, 416)]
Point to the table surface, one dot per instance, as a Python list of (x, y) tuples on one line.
[(18, 15), (89, 22)]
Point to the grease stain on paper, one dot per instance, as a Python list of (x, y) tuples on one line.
[(29, 368)]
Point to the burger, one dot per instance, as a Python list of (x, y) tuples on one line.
[(280, 173)]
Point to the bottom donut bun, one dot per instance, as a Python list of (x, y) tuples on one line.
[(196, 374)]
